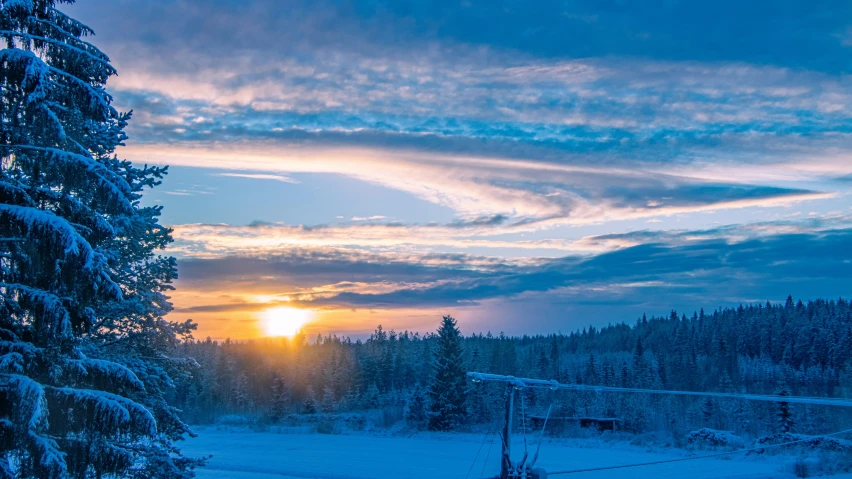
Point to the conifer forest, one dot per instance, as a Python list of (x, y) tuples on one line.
[(795, 348)]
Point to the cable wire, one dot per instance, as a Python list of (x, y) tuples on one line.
[(681, 459)]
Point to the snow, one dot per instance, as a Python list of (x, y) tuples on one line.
[(267, 455), (117, 374), (117, 410), (51, 304), (707, 437), (35, 218), (26, 5)]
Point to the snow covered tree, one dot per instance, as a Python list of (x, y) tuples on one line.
[(415, 407), (280, 398), (447, 394), (328, 403), (372, 397), (83, 342), (784, 414), (242, 393), (310, 405)]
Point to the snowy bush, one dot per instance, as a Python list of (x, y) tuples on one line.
[(711, 438), (811, 443)]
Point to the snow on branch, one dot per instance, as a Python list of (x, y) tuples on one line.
[(29, 36), (121, 189), (11, 5), (15, 193), (12, 363), (38, 71), (50, 304), (35, 222), (65, 22), (50, 459), (29, 400), (108, 372), (20, 347), (110, 411), (79, 209)]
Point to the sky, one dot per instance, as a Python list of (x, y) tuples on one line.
[(528, 167)]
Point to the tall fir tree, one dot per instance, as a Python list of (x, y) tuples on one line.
[(84, 350), (447, 407)]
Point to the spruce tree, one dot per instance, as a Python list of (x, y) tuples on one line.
[(310, 404), (784, 414), (415, 408), (84, 363), (280, 398), (447, 395)]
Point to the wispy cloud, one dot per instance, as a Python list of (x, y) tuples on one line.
[(679, 264), (260, 176), (193, 191), (517, 190)]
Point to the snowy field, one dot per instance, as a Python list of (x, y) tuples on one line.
[(251, 455)]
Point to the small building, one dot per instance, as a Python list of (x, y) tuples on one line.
[(599, 423)]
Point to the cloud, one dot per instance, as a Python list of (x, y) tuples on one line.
[(260, 176), (414, 242), (731, 263), (516, 189), (525, 125), (800, 36), (700, 267), (193, 191)]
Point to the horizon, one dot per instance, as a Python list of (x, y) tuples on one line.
[(307, 338), (556, 167)]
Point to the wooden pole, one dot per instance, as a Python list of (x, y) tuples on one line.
[(506, 460)]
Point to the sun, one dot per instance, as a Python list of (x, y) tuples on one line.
[(285, 321)]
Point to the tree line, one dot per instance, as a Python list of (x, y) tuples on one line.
[(792, 348)]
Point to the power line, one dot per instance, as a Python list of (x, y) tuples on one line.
[(485, 438), (522, 383), (692, 458)]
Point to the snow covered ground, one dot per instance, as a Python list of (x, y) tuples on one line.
[(252, 455)]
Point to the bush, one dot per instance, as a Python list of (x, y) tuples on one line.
[(711, 438), (812, 443)]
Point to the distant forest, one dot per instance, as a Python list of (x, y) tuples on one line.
[(794, 348)]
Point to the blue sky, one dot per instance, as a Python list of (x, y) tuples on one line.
[(526, 166)]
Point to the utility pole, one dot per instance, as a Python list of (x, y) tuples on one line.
[(506, 467)]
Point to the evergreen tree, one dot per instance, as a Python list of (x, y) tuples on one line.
[(242, 395), (328, 404), (310, 404), (784, 414), (372, 397), (280, 398), (708, 412), (415, 408), (447, 394), (85, 350)]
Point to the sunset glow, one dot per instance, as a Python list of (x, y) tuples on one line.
[(285, 321), (568, 166)]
